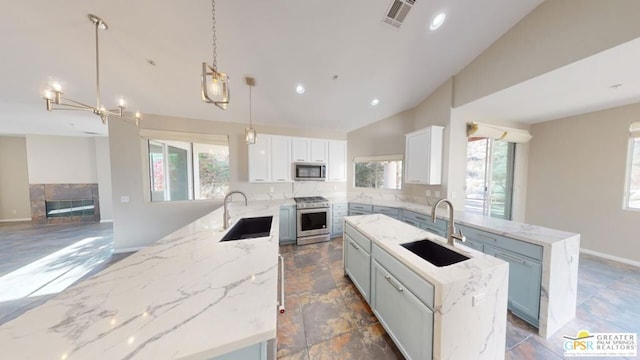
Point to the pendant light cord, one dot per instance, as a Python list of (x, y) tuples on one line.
[(213, 30), (250, 122)]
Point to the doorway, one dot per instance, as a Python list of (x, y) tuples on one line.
[(489, 179)]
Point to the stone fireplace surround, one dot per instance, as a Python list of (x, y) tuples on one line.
[(40, 193)]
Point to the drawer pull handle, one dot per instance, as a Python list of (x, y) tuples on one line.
[(280, 179), (420, 218), (487, 237), (410, 222), (398, 287), (512, 258), (354, 245)]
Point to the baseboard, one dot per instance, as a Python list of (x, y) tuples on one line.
[(106, 221), (15, 220), (127, 250), (610, 257)]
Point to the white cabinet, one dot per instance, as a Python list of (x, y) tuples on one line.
[(423, 156), (281, 158), (300, 149), (259, 160), (337, 161), (309, 150), (270, 159)]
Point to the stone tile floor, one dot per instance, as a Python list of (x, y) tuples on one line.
[(326, 318)]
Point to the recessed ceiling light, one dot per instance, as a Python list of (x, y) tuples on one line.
[(300, 89), (437, 21), (375, 102)]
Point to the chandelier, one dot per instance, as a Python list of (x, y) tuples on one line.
[(215, 85), (55, 100)]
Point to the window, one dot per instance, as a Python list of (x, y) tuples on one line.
[(632, 198), (379, 172), (184, 170), (489, 181)]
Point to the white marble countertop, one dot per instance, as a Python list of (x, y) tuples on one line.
[(389, 233), (529, 233), (188, 296)]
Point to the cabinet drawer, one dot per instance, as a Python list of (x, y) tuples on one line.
[(358, 212), (415, 217), (422, 289), (339, 213), (360, 207), (519, 247), (358, 238), (337, 227), (339, 206), (391, 211)]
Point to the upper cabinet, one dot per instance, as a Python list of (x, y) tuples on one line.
[(337, 161), (271, 157), (309, 150), (259, 159), (423, 156), (281, 158)]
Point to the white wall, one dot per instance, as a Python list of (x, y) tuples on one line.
[(556, 33), (14, 179), (103, 173), (139, 222), (577, 169), (61, 160)]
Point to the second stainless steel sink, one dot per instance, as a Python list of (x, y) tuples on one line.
[(437, 255), (249, 228)]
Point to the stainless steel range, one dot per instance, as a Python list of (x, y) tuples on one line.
[(313, 219)]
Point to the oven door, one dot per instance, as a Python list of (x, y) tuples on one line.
[(313, 222)]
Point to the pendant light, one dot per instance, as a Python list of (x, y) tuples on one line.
[(250, 135), (215, 85)]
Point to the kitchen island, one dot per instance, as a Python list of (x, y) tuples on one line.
[(188, 296), (456, 311)]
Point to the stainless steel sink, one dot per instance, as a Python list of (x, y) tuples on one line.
[(249, 228), (436, 254)]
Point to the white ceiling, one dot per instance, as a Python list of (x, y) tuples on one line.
[(279, 42), (604, 80)]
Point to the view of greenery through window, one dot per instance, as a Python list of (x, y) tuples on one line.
[(379, 174), (489, 177), (634, 175), (174, 175)]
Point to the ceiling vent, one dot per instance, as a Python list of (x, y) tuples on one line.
[(397, 12)]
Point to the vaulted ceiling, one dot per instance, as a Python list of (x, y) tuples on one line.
[(341, 51)]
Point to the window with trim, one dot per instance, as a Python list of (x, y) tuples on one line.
[(187, 170), (632, 192), (378, 172)]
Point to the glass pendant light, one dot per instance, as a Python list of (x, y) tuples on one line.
[(250, 135), (215, 84)]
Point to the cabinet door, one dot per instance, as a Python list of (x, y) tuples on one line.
[(423, 156), (357, 265), (281, 169), (408, 320), (337, 162), (300, 151), (287, 224), (259, 159), (318, 150), (524, 284)]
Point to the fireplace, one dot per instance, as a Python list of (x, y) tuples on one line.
[(64, 203), (69, 208)]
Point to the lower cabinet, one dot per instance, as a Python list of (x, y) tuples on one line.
[(265, 350), (357, 263), (408, 320), (524, 283), (287, 224), (338, 212)]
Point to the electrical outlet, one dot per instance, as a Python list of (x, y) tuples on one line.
[(453, 195), (477, 299), (124, 199), (437, 193), (14, 211), (271, 189), (427, 192)]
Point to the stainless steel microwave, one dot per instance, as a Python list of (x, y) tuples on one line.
[(304, 171)]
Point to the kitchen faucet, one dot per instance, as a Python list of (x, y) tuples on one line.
[(225, 215), (451, 231)]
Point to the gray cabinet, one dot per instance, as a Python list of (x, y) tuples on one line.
[(525, 269), (408, 321), (338, 212), (359, 209), (287, 224), (387, 210), (265, 350), (524, 283), (357, 260), (424, 222)]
